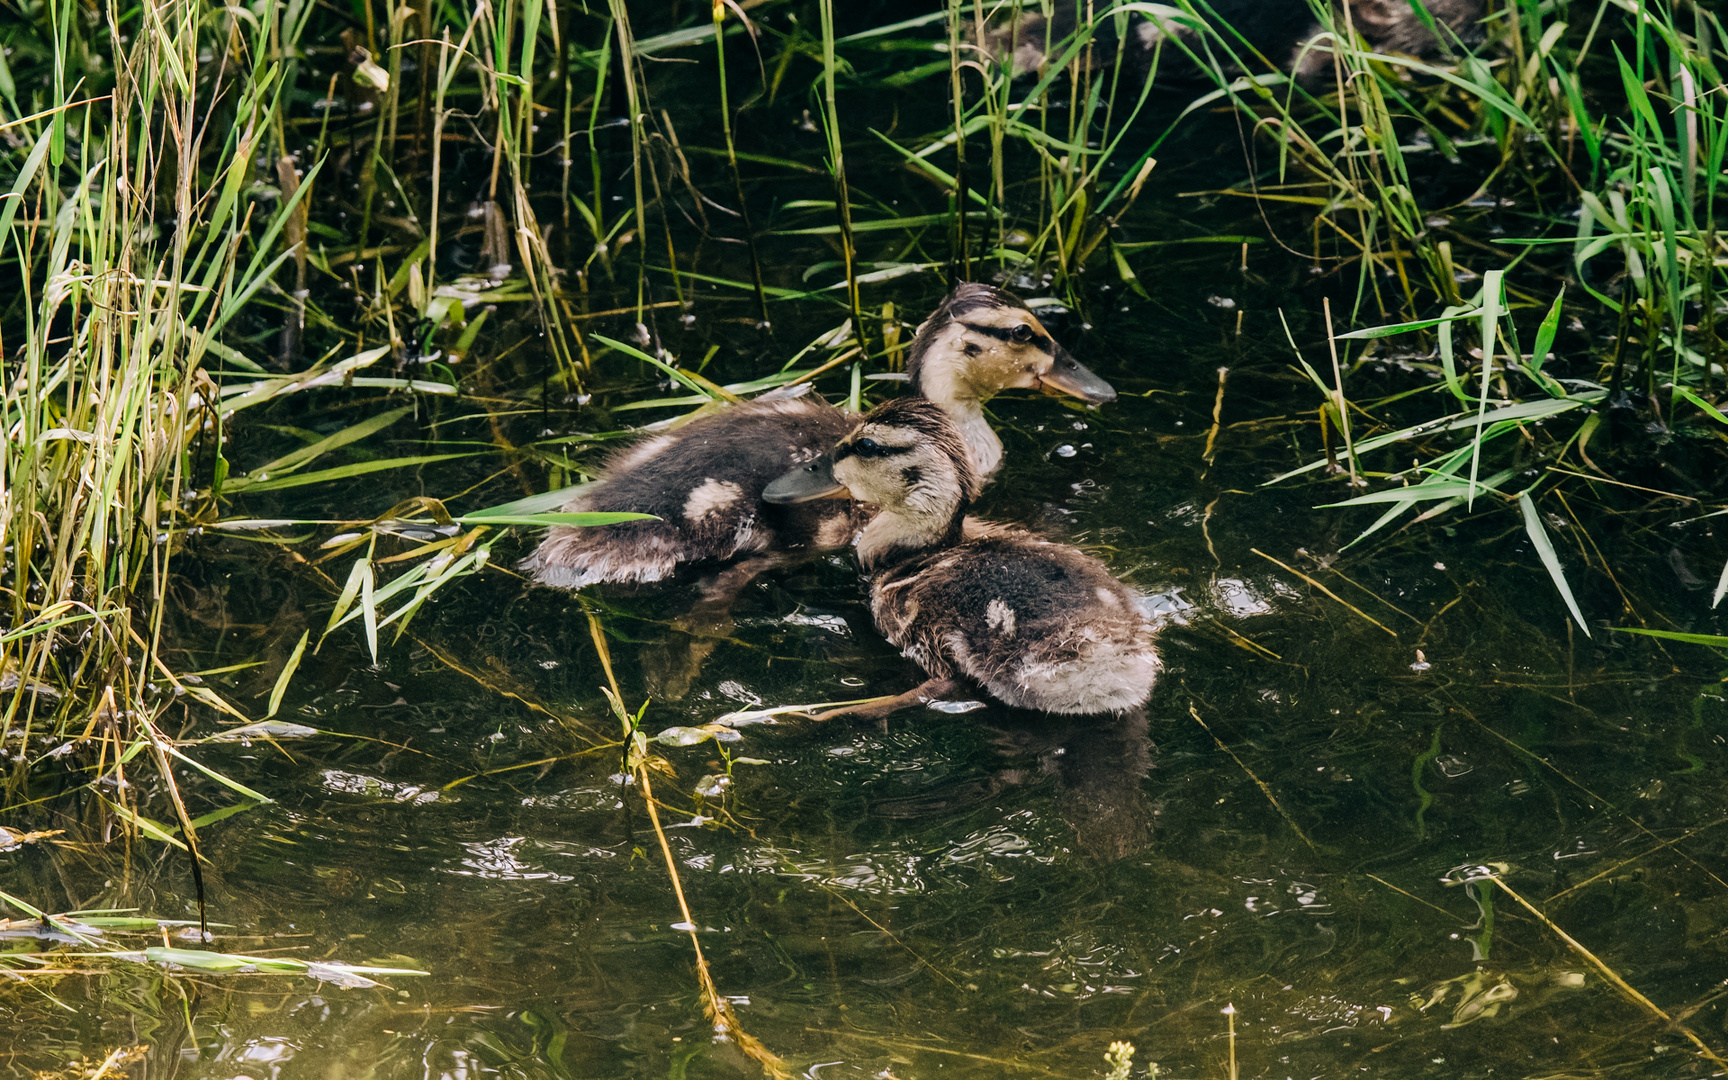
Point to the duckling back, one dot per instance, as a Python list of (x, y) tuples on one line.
[(1039, 625), (704, 483)]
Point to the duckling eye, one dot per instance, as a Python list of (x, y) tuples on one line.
[(1021, 333), (867, 448)]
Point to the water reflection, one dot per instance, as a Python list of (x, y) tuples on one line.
[(1098, 763), (985, 893)]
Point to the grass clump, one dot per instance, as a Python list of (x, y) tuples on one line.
[(234, 207)]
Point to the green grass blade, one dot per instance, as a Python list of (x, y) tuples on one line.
[(1448, 361), (533, 504), (1636, 96), (369, 608), (26, 176), (342, 472), (291, 461), (59, 922), (1404, 328), (350, 592), (1715, 641), (931, 171), (588, 519), (1709, 410), (1586, 126), (219, 815), (154, 830), (1545, 335), (232, 785), (1545, 549), (1491, 310), (1427, 490), (288, 670), (688, 378)]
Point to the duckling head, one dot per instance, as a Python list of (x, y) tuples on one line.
[(983, 340), (906, 457), (980, 342)]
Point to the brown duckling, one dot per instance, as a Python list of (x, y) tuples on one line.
[(1036, 624), (704, 480)]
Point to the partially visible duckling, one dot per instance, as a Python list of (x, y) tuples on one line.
[(1036, 624), (704, 481), (1284, 31)]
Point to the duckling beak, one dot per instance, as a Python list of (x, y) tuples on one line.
[(806, 483), (1069, 376)]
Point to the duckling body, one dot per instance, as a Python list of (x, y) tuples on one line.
[(1036, 624), (704, 481)]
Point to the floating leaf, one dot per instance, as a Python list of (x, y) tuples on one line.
[(682, 736), (690, 736), (264, 729)]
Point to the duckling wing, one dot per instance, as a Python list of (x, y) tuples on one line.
[(1039, 625), (704, 483)]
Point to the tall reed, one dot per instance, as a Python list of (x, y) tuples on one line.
[(106, 401)]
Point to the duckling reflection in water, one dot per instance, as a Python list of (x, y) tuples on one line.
[(1036, 624), (1098, 763), (704, 481)]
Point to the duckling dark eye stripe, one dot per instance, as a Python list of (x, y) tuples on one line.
[(850, 450), (1044, 344)]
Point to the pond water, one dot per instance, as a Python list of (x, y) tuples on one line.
[(1288, 829)]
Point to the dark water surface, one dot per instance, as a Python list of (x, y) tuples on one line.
[(988, 893)]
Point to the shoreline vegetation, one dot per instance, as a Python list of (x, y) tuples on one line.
[(513, 206)]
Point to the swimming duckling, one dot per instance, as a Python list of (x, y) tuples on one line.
[(1039, 625), (704, 481)]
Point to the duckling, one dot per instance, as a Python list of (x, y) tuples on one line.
[(1282, 30), (1038, 625), (704, 481)]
